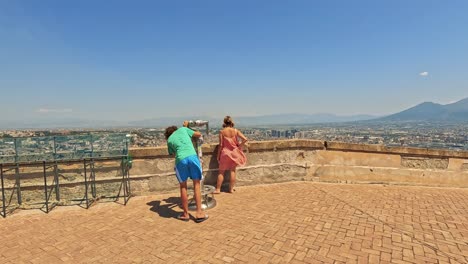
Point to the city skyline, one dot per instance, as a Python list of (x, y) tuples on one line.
[(134, 61)]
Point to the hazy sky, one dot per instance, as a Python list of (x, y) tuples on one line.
[(125, 60)]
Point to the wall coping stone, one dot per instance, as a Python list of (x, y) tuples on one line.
[(404, 151), (259, 146)]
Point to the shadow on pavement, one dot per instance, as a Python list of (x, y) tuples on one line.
[(166, 210)]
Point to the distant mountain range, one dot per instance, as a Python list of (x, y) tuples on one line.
[(280, 119), (429, 111), (297, 119), (266, 120)]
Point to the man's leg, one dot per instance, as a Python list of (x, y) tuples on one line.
[(197, 193), (196, 175), (184, 199)]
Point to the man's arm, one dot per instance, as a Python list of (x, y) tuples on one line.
[(196, 134), (192, 133), (170, 150)]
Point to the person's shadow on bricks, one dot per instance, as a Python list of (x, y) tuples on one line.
[(165, 210)]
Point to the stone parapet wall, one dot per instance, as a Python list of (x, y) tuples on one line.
[(268, 162), (312, 160), (424, 152)]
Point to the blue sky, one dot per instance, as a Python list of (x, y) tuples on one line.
[(132, 60)]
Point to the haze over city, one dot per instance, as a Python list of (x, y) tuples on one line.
[(132, 61)]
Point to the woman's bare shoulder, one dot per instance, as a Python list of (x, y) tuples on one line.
[(229, 132)]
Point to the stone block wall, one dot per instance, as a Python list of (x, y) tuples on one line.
[(311, 160), (268, 162)]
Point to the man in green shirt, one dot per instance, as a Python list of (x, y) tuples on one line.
[(187, 165)]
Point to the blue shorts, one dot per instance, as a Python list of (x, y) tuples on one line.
[(189, 167)]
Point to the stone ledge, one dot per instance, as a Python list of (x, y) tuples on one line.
[(274, 145), (257, 146), (148, 152), (404, 151)]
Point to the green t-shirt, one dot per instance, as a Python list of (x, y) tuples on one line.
[(180, 144)]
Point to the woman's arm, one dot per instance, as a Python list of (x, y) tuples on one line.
[(244, 138), (220, 146)]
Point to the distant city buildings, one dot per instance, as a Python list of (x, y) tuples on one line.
[(422, 135)]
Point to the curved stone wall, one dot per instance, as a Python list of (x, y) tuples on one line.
[(311, 160), (268, 162)]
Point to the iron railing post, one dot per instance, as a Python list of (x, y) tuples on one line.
[(45, 186), (3, 191)]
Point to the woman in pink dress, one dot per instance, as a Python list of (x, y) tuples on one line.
[(230, 153)]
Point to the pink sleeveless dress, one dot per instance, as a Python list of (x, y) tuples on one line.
[(231, 155)]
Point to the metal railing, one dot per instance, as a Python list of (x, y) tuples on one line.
[(50, 152)]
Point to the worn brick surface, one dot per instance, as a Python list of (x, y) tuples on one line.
[(300, 222)]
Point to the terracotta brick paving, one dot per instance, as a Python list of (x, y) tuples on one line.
[(300, 222)]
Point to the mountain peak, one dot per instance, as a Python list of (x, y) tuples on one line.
[(430, 111), (429, 103)]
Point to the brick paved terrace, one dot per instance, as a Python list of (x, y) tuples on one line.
[(296, 222)]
